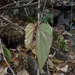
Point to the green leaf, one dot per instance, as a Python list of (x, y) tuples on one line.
[(58, 39), (16, 10), (43, 43), (29, 32), (7, 54), (31, 19), (46, 17), (62, 44)]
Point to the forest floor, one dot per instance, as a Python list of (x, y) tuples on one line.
[(61, 59)]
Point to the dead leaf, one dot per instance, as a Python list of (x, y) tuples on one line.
[(4, 63), (71, 53), (19, 48), (22, 54), (1, 73), (65, 2), (16, 63), (1, 69), (57, 61), (5, 70), (58, 74), (66, 33), (58, 68), (34, 51), (14, 59), (64, 69), (50, 63), (23, 72)]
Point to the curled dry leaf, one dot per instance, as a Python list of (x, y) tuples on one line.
[(23, 72)]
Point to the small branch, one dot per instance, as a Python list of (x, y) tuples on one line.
[(5, 58), (19, 7), (11, 23), (10, 5)]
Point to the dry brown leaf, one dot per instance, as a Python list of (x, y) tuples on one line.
[(16, 63), (50, 63), (23, 72), (14, 59), (72, 57), (71, 53), (22, 54), (57, 61), (1, 73), (58, 74), (66, 33), (4, 63), (19, 48), (1, 69), (64, 69), (34, 51)]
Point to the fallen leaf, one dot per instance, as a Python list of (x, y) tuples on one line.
[(4, 63), (34, 51), (71, 53), (14, 59), (50, 63), (57, 61), (1, 69), (5, 70), (64, 69), (23, 72), (16, 63), (22, 54), (1, 73), (19, 48), (66, 33), (58, 74), (65, 2)]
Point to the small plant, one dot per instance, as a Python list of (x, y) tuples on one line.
[(43, 39), (61, 42)]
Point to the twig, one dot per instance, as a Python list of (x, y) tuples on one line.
[(19, 7), (71, 70), (10, 5), (5, 58), (61, 53), (11, 22)]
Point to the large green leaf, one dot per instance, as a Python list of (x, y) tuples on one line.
[(7, 54), (29, 31), (43, 42)]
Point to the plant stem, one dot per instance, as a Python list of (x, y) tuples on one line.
[(38, 12)]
